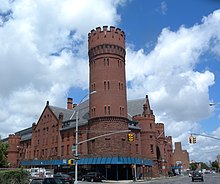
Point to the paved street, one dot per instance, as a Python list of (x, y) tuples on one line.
[(208, 179)]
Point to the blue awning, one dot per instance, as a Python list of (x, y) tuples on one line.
[(114, 160), (44, 162), (91, 161)]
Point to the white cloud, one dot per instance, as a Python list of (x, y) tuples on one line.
[(178, 93), (43, 53)]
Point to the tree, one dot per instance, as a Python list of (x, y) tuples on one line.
[(198, 166), (3, 154), (215, 165), (193, 166), (204, 166)]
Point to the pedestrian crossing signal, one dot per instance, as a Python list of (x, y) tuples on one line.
[(130, 137)]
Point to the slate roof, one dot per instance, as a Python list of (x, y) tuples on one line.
[(135, 107)]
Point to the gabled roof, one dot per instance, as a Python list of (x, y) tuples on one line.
[(25, 134), (69, 116), (135, 107)]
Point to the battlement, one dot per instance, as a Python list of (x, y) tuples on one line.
[(106, 35), (14, 138), (105, 30), (161, 125), (169, 138)]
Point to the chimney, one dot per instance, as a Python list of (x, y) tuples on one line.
[(69, 103)]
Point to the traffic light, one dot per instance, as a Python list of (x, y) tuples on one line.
[(190, 140), (71, 161), (130, 137), (194, 140)]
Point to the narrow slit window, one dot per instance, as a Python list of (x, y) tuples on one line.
[(108, 85), (104, 85), (105, 111), (109, 110)]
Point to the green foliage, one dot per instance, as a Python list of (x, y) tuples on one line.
[(204, 166), (215, 165), (193, 166), (198, 165), (3, 154), (18, 176)]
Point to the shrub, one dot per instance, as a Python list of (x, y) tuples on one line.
[(16, 176)]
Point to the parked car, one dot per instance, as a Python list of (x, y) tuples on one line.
[(46, 181), (190, 173), (67, 179), (196, 175), (93, 176)]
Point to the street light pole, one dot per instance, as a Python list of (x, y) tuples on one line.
[(76, 152), (214, 104), (76, 146)]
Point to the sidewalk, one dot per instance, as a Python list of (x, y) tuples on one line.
[(131, 181), (128, 181)]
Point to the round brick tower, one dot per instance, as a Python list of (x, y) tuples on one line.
[(108, 104)]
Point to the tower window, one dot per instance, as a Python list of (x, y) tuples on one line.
[(105, 110), (106, 61), (121, 110), (108, 85), (93, 111), (104, 85), (109, 110)]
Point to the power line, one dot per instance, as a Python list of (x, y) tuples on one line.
[(206, 136)]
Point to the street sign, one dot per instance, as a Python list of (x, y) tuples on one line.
[(73, 148)]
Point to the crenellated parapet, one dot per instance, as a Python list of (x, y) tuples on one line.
[(160, 129), (106, 41), (13, 141)]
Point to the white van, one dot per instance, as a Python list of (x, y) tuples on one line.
[(38, 172)]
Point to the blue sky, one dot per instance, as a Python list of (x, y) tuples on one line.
[(173, 55), (143, 23)]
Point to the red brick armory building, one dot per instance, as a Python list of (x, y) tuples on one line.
[(48, 143)]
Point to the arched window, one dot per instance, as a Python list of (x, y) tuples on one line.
[(108, 85), (109, 110), (104, 85), (105, 110)]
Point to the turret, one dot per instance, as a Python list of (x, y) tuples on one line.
[(107, 72), (108, 105)]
